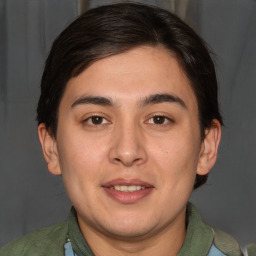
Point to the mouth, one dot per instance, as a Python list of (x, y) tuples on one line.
[(127, 191), (131, 188)]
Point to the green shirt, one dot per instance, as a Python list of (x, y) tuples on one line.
[(50, 241)]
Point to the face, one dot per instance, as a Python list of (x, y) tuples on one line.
[(128, 143)]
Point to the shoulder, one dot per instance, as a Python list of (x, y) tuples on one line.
[(226, 243), (251, 250), (46, 241)]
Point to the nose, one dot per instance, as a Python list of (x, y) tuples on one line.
[(128, 147)]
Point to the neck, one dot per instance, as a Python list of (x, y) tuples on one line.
[(161, 242)]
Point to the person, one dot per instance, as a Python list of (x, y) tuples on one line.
[(129, 117)]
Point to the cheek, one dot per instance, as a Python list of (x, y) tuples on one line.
[(80, 147), (81, 161), (175, 162), (177, 158), (81, 157)]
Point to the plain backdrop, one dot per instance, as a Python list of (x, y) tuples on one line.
[(31, 198)]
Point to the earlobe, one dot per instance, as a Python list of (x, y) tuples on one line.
[(49, 148), (209, 148)]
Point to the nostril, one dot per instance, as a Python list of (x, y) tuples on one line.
[(117, 160), (128, 162)]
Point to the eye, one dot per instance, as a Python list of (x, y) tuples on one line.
[(96, 120), (159, 120)]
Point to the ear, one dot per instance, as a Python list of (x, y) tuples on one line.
[(209, 148), (50, 151)]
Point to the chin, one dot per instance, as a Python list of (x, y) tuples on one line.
[(129, 229), (133, 234)]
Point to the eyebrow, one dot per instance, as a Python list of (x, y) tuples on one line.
[(149, 100), (96, 100), (162, 98)]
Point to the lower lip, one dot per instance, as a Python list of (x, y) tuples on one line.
[(127, 197)]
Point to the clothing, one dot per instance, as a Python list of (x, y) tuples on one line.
[(214, 251), (251, 250), (201, 240)]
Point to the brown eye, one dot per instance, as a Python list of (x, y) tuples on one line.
[(159, 120), (96, 120)]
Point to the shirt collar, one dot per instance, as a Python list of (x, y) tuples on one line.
[(78, 242), (199, 236)]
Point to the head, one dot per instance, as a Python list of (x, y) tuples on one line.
[(103, 37), (107, 31)]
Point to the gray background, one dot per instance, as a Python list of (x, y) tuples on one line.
[(32, 198)]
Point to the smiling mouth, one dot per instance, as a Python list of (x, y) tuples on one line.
[(127, 191), (131, 188)]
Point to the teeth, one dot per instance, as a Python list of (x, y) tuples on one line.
[(131, 188)]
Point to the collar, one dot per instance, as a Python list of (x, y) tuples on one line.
[(199, 236), (78, 242), (198, 241)]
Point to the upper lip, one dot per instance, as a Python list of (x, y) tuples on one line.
[(127, 182)]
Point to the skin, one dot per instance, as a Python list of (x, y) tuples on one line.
[(153, 141)]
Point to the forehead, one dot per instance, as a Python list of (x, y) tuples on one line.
[(132, 75)]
